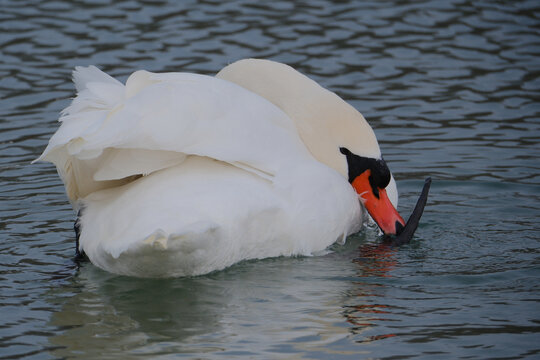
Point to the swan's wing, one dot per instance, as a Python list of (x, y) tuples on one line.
[(113, 132), (192, 218), (204, 215)]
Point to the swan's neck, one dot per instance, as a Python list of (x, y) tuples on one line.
[(324, 121)]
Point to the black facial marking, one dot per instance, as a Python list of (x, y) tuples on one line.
[(380, 174)]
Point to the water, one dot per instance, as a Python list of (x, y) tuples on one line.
[(452, 90)]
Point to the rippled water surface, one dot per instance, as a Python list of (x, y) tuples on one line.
[(452, 90)]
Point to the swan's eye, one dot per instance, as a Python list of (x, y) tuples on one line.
[(357, 165)]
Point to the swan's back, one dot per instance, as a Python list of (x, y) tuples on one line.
[(112, 133)]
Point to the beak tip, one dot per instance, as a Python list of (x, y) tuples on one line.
[(399, 228)]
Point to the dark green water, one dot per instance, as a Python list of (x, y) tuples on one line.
[(452, 90)]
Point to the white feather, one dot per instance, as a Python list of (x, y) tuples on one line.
[(205, 215), (162, 118)]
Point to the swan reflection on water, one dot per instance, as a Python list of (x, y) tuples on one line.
[(374, 261), (102, 312)]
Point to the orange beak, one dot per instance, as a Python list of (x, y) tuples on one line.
[(378, 205)]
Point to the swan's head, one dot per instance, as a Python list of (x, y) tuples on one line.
[(334, 132)]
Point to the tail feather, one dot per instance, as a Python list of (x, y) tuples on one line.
[(82, 76), (95, 91)]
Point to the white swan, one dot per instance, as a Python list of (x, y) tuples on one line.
[(180, 174)]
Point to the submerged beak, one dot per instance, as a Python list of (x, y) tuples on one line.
[(371, 189), (378, 205), (385, 214)]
